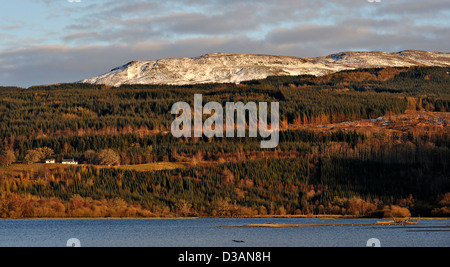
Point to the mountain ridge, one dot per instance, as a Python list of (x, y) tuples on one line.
[(236, 68)]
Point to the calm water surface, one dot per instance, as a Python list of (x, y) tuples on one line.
[(208, 233)]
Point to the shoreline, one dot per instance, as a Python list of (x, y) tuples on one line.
[(323, 217)]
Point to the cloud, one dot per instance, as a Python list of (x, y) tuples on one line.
[(175, 18), (415, 8), (11, 27), (361, 35), (82, 40), (61, 63)]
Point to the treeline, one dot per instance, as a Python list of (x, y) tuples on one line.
[(80, 108), (139, 149), (310, 172)]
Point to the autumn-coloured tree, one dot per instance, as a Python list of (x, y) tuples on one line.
[(183, 207), (108, 157), (33, 156), (46, 152), (394, 211), (39, 154), (7, 157), (228, 177)]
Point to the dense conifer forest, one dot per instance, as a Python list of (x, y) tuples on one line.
[(119, 134)]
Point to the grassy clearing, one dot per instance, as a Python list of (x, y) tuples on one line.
[(157, 166), (16, 169)]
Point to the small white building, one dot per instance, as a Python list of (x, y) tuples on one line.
[(50, 161), (69, 162)]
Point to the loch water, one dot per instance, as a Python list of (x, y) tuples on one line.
[(211, 233)]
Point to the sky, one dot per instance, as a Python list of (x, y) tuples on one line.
[(56, 41)]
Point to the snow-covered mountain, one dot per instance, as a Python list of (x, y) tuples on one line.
[(235, 68)]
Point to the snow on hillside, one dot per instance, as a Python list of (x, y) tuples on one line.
[(235, 68)]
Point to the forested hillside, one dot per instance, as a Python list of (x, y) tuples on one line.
[(322, 165)]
